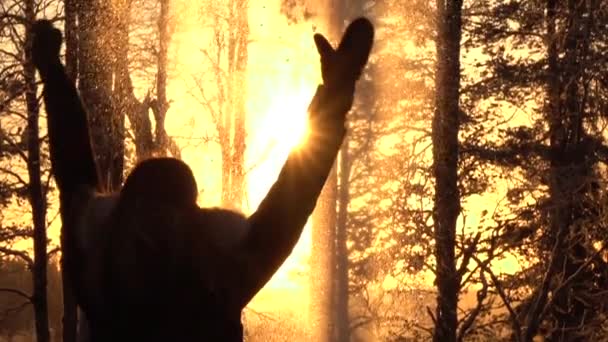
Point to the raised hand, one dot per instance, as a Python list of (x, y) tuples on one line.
[(344, 65), (341, 68)]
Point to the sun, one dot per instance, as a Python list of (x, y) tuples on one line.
[(286, 120)]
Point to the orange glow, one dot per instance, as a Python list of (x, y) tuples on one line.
[(282, 75)]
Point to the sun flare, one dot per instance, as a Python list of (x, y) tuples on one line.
[(278, 127), (285, 122)]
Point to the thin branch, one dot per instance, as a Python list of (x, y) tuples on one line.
[(467, 254), (13, 310), (16, 292), (569, 280), (51, 252), (473, 314), (430, 312), (503, 297), (15, 175), (532, 319), (20, 254)]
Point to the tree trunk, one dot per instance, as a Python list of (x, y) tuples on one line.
[(342, 325), (232, 116), (161, 76), (533, 318), (570, 172), (323, 256), (323, 262), (125, 102), (163, 142), (71, 38), (240, 134), (445, 166), (70, 316), (96, 60), (570, 176), (36, 194)]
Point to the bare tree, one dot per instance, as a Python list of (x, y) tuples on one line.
[(36, 193), (227, 58), (153, 49)]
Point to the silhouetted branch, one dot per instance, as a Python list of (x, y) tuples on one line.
[(16, 292), (10, 311), (503, 297), (20, 254), (470, 318), (51, 252), (431, 315), (5, 17), (9, 233), (533, 317), (467, 254), (15, 175), (569, 280)]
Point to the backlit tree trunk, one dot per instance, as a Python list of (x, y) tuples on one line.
[(342, 325), (445, 169), (237, 66), (36, 193), (230, 65), (324, 218), (571, 177), (96, 61)]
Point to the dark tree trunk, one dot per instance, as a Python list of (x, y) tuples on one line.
[(570, 175), (533, 318), (553, 110), (36, 194), (570, 172), (70, 315), (445, 166)]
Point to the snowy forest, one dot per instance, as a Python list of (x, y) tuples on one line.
[(467, 201)]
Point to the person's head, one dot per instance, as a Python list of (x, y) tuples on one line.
[(163, 180)]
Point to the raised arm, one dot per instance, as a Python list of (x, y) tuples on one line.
[(276, 226), (70, 146)]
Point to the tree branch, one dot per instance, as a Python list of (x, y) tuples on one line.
[(20, 254), (503, 297), (16, 292)]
